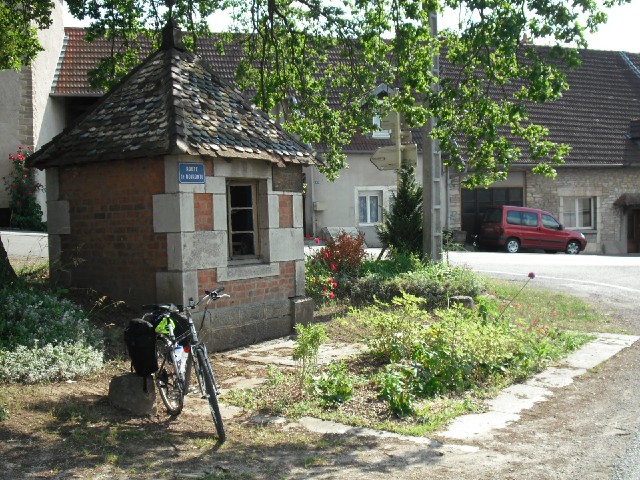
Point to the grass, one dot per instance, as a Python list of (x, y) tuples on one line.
[(565, 312)]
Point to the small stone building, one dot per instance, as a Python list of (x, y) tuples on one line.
[(173, 184)]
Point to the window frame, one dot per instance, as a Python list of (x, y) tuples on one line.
[(254, 207), (368, 194), (573, 212)]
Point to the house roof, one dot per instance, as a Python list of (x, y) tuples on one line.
[(594, 116), (173, 103)]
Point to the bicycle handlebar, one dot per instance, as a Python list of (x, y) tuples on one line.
[(170, 307)]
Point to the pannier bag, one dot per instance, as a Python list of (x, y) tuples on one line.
[(140, 338)]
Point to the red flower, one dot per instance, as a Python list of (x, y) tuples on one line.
[(332, 295), (326, 254), (20, 147), (307, 236), (334, 285), (317, 240), (333, 267)]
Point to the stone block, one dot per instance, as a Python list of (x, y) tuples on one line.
[(463, 300), (301, 311), (127, 392)]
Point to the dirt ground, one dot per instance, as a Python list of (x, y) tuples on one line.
[(70, 430)]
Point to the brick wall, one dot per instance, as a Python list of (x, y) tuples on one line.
[(111, 217), (203, 211), (286, 211), (252, 290)]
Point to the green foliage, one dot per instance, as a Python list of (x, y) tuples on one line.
[(43, 338), (308, 342), (334, 386), (22, 186), (454, 351), (433, 282), (4, 412), (402, 226), (286, 47), (393, 389), (19, 24)]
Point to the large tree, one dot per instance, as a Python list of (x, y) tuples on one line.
[(322, 60)]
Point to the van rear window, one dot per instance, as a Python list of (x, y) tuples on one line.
[(493, 215)]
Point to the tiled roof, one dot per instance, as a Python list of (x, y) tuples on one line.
[(172, 103), (594, 116)]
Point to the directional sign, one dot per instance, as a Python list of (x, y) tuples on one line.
[(386, 158)]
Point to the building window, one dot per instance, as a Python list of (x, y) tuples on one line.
[(243, 219), (379, 132), (369, 207), (579, 212)]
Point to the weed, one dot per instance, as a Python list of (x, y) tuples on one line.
[(335, 386), (308, 342)]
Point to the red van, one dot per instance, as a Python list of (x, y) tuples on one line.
[(513, 228)]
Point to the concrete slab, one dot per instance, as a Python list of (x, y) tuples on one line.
[(509, 404)]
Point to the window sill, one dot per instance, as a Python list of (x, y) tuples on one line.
[(245, 269)]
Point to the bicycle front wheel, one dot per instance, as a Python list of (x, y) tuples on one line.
[(167, 381), (206, 372)]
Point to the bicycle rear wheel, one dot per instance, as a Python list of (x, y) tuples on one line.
[(167, 380), (208, 379)]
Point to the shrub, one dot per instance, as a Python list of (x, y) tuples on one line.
[(453, 351), (22, 186), (403, 223), (330, 271), (436, 283), (44, 338)]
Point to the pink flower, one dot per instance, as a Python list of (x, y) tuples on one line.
[(20, 147), (317, 240), (333, 267), (332, 295), (326, 254), (307, 236), (532, 275), (334, 285)]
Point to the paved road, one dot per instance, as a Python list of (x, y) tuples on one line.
[(611, 281)]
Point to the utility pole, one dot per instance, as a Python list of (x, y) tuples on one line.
[(432, 176)]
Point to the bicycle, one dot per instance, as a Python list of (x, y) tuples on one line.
[(172, 377)]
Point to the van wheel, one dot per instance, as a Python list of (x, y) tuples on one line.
[(573, 248), (512, 245)]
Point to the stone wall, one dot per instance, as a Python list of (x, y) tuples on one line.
[(605, 184)]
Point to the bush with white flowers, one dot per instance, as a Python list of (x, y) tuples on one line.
[(44, 338)]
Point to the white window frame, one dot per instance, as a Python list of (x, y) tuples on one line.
[(384, 197), (572, 212)]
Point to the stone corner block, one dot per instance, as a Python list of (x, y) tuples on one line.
[(301, 311), (173, 212)]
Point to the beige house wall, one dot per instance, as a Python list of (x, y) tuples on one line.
[(28, 115), (335, 204)]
